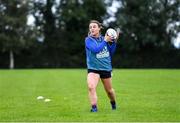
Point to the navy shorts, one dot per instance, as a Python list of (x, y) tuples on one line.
[(103, 74)]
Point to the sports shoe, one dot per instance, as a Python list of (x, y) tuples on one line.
[(94, 110), (113, 105)]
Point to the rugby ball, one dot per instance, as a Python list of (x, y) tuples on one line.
[(112, 33)]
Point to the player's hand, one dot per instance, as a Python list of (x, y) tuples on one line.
[(107, 38)]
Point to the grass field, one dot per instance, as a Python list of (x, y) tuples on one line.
[(142, 95)]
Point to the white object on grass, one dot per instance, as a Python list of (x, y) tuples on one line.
[(40, 97), (47, 100)]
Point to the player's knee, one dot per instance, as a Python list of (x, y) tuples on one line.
[(91, 88), (110, 91)]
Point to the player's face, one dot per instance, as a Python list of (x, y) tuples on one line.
[(94, 29)]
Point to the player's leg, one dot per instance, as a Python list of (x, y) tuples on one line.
[(92, 80), (107, 82)]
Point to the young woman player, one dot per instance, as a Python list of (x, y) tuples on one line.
[(99, 51)]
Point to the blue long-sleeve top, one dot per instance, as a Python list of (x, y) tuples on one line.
[(99, 53)]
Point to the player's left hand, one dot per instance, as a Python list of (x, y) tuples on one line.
[(108, 38)]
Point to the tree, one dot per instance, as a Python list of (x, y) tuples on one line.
[(46, 24), (63, 27), (145, 23), (13, 29), (74, 17)]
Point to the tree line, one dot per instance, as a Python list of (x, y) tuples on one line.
[(56, 37)]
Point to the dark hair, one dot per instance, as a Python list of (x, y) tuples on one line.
[(97, 22)]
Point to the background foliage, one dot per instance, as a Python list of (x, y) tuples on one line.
[(56, 38)]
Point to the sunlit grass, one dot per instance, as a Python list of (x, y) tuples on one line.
[(142, 95)]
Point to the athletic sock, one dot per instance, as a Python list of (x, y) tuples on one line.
[(113, 105), (94, 106)]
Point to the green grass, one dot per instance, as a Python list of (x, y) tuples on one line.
[(142, 95)]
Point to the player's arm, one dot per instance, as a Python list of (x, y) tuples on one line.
[(112, 47), (112, 43), (92, 45)]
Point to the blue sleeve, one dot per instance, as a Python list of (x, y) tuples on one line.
[(92, 45), (112, 48)]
